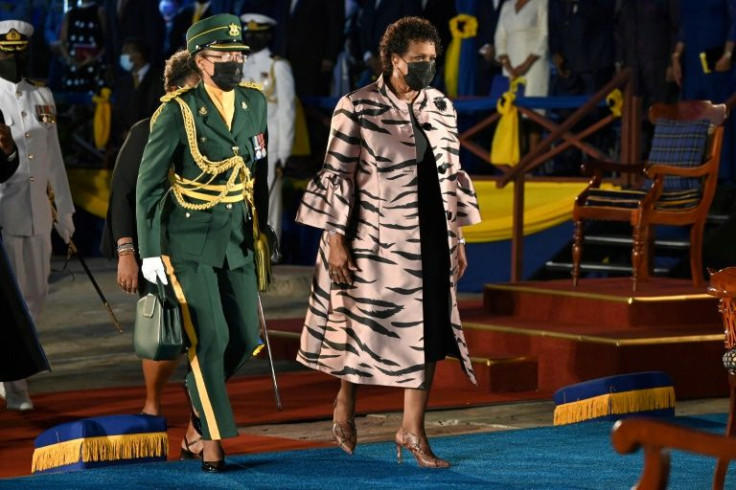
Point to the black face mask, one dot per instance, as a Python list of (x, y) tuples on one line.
[(227, 74), (11, 69), (256, 42), (420, 74)]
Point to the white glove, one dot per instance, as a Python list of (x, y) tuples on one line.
[(64, 226), (153, 269)]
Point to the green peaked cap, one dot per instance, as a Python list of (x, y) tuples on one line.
[(221, 32)]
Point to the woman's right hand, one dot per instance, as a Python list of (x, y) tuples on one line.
[(340, 264), (128, 273)]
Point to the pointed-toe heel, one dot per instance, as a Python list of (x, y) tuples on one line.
[(345, 433), (419, 448), (213, 466)]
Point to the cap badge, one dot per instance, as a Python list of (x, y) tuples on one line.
[(234, 30), (13, 35)]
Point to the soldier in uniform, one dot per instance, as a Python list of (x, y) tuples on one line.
[(201, 189), (29, 112), (274, 75)]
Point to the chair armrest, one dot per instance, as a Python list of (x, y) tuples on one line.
[(590, 166), (654, 169), (629, 435), (656, 437)]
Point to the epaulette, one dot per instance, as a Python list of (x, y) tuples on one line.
[(170, 95), (35, 83), (254, 85), (276, 57)]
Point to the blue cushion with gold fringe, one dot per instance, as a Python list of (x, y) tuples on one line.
[(101, 441), (649, 393)]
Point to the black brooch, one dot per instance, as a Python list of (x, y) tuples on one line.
[(441, 103)]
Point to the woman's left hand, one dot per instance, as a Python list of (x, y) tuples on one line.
[(462, 260)]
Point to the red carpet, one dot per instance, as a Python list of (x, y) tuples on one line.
[(306, 395)]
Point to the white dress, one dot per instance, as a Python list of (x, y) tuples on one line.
[(522, 33)]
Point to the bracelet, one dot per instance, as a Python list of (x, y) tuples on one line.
[(126, 248)]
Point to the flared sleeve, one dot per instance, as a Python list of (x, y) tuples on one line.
[(328, 200), (468, 211)]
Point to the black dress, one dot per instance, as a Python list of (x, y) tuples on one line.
[(438, 339)]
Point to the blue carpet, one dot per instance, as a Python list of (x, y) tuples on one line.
[(568, 457)]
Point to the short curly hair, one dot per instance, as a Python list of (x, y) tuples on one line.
[(401, 34), (178, 70)]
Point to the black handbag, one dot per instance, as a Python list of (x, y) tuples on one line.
[(158, 329)]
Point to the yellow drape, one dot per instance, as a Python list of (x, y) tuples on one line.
[(505, 146), (90, 189), (301, 133), (546, 204), (102, 118), (462, 26)]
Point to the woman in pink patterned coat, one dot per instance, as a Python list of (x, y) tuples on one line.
[(391, 199)]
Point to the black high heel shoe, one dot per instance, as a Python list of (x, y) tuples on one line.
[(217, 466)]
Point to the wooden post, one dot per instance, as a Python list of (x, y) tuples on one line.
[(517, 234)]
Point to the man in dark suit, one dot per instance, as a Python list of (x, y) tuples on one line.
[(646, 34), (314, 39), (581, 43), (139, 90), (135, 18)]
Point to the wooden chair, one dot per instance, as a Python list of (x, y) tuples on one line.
[(658, 437), (659, 204)]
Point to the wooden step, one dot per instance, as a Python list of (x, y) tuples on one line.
[(494, 375), (692, 357), (604, 302)]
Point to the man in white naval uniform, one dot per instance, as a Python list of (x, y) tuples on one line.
[(25, 213), (274, 74)]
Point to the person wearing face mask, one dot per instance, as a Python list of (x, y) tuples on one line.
[(274, 74), (137, 92), (202, 203), (28, 137), (391, 199)]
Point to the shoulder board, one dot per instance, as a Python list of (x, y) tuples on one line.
[(176, 93), (254, 85), (276, 57), (35, 83)]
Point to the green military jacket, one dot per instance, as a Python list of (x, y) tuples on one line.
[(213, 236)]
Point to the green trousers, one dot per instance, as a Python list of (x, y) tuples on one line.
[(220, 317)]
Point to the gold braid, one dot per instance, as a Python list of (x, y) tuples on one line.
[(235, 162)]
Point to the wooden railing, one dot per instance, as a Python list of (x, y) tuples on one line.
[(542, 152)]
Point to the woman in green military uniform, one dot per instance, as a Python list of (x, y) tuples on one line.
[(201, 188)]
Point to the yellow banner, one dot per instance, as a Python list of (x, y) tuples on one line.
[(546, 204)]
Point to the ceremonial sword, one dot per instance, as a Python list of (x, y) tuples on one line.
[(264, 327), (74, 250)]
